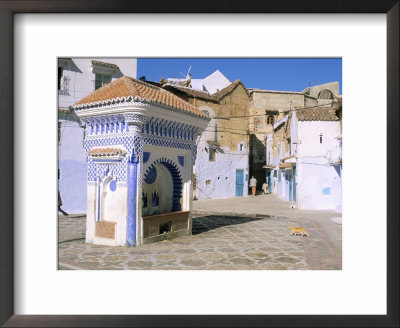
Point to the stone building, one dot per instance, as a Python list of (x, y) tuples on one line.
[(78, 77), (267, 107), (140, 143), (221, 168)]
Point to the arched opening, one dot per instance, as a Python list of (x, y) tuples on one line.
[(107, 202), (162, 188), (325, 94), (270, 119)]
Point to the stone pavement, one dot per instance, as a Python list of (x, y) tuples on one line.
[(255, 238)]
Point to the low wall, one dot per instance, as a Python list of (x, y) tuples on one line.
[(165, 226)]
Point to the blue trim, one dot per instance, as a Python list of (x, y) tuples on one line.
[(146, 156), (181, 160), (98, 203), (132, 203)]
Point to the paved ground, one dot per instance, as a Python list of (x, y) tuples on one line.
[(240, 233)]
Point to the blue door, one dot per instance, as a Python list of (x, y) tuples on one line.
[(239, 182), (294, 183), (269, 181)]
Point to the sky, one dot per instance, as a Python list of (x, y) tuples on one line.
[(287, 74)]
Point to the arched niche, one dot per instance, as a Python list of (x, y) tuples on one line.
[(162, 188), (325, 94), (108, 201)]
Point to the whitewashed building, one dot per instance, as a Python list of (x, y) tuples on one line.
[(78, 77), (140, 142), (222, 164), (306, 168), (211, 84)]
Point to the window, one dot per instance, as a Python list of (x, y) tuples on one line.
[(320, 138), (59, 132), (60, 74), (101, 79), (63, 82), (241, 146), (208, 182), (270, 119), (211, 155)]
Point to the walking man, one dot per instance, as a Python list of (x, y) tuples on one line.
[(253, 184)]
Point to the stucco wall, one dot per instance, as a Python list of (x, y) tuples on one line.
[(221, 174), (319, 182), (319, 185), (72, 158), (72, 166), (275, 100), (82, 78)]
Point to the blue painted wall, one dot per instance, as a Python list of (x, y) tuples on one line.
[(72, 165), (132, 203)]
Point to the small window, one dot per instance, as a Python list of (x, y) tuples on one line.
[(241, 146), (208, 182), (60, 74), (320, 138), (59, 132), (101, 80), (270, 119), (211, 155)]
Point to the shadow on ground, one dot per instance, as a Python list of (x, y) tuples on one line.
[(206, 223)]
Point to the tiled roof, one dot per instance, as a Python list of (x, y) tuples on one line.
[(225, 91), (190, 92), (106, 151), (131, 89), (316, 114), (205, 95)]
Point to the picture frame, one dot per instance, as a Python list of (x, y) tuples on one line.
[(7, 10)]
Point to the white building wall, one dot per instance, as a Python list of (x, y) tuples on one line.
[(82, 78), (72, 165), (71, 155), (319, 182), (221, 174)]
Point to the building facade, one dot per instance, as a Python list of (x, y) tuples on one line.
[(306, 166), (78, 77), (140, 143), (267, 107), (221, 168)]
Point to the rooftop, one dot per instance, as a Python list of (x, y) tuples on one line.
[(129, 89), (316, 114), (205, 95)]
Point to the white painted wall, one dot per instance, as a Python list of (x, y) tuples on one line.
[(72, 165), (319, 182), (221, 173), (215, 82), (71, 155), (81, 76)]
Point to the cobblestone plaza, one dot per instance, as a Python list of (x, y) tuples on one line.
[(220, 241)]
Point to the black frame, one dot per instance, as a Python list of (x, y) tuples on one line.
[(7, 10)]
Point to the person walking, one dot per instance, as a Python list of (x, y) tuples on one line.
[(253, 184)]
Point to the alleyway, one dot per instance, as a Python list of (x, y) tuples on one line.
[(240, 233)]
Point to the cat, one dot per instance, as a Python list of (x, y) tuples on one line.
[(303, 232)]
